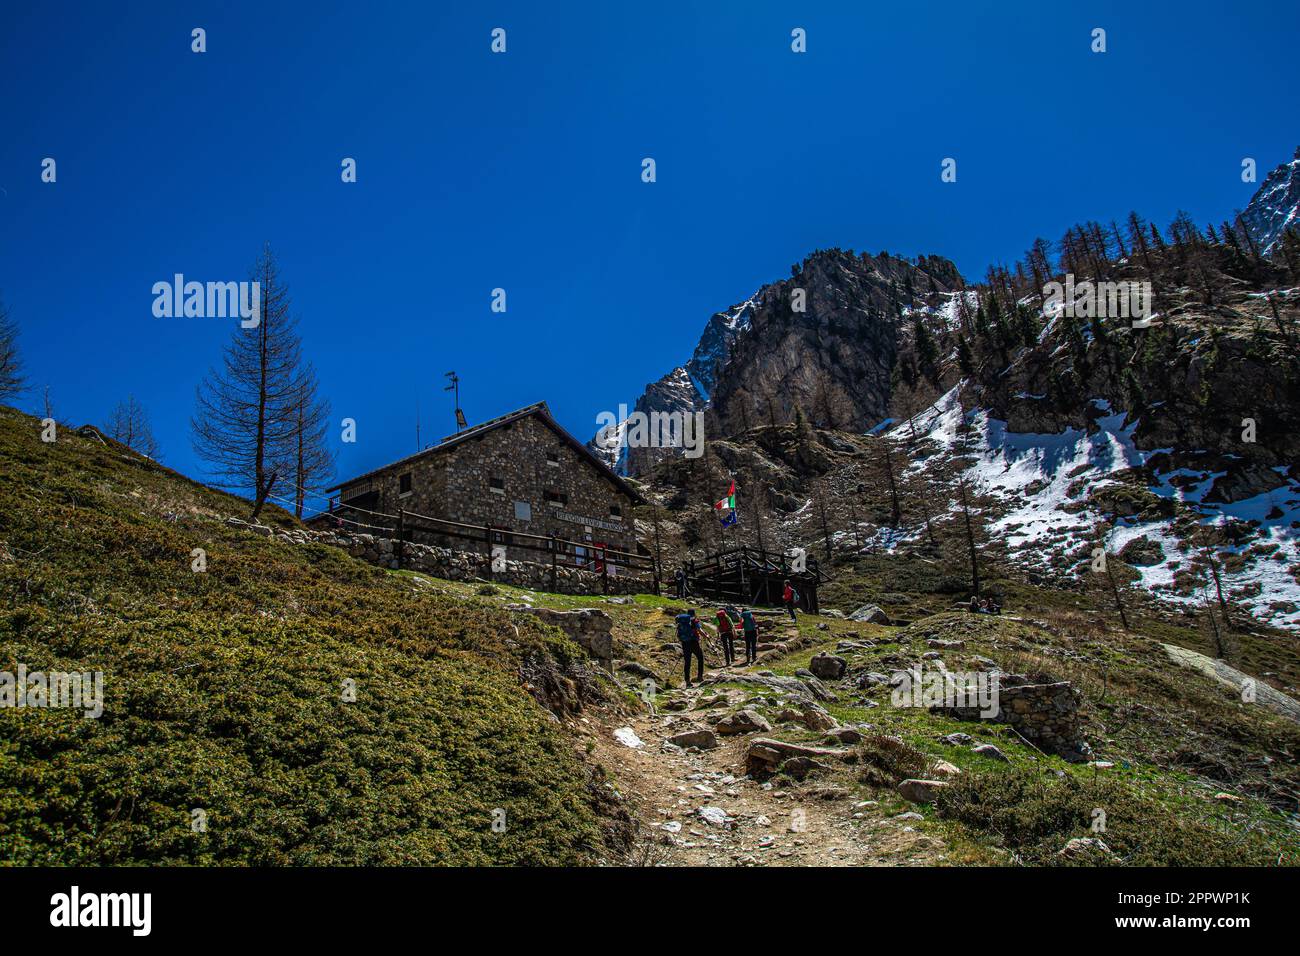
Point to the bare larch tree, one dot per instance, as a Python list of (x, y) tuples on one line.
[(247, 413), (11, 366), (129, 424)]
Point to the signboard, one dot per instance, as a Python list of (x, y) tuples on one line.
[(593, 522)]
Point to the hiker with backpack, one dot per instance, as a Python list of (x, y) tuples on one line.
[(691, 634), (790, 597), (750, 627), (727, 634)]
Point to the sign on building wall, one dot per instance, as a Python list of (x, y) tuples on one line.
[(593, 522)]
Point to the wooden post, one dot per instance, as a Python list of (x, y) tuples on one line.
[(555, 547), (401, 536), (658, 553), (488, 534), (604, 570)]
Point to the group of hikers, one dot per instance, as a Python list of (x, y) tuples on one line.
[(980, 605), (789, 596), (691, 632)]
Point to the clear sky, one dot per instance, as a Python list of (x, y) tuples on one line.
[(522, 171)]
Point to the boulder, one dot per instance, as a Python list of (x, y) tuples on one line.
[(828, 666), (872, 679), (957, 740), (990, 751), (813, 716), (765, 754), (743, 722), (700, 739), (870, 613), (714, 816), (640, 670), (921, 791)]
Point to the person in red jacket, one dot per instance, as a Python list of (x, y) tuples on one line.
[(790, 597), (726, 634)]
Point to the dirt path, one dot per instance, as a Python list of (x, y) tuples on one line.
[(826, 821)]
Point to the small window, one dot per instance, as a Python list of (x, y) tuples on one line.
[(557, 498), (523, 511), (497, 486), (615, 511), (404, 484), (553, 458)]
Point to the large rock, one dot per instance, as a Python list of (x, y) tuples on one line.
[(700, 739), (743, 722), (871, 613), (990, 751), (766, 754), (828, 666), (921, 791), (813, 716)]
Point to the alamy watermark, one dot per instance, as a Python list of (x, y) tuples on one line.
[(944, 688), (78, 690), (211, 300), (676, 429), (1101, 300)]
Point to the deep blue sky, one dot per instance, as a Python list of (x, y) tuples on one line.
[(522, 171)]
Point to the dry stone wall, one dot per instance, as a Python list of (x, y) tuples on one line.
[(455, 565)]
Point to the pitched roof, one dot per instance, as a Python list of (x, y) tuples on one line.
[(538, 409)]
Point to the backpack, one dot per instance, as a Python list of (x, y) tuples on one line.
[(685, 628)]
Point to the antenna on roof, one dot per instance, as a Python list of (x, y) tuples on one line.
[(417, 424), (455, 387)]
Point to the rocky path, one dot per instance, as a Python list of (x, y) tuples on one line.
[(697, 807)]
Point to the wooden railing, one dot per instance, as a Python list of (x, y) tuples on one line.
[(582, 555)]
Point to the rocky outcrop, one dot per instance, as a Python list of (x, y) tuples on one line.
[(834, 360), (822, 343), (1275, 205)]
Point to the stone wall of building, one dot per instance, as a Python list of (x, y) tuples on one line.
[(528, 460), (457, 565)]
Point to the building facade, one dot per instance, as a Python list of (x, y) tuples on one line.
[(521, 472)]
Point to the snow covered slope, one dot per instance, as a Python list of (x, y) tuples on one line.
[(1056, 496)]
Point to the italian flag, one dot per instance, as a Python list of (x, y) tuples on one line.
[(728, 503)]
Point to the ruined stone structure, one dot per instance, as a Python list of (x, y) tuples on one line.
[(1046, 713), (520, 472)]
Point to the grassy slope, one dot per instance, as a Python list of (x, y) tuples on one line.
[(223, 689)]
